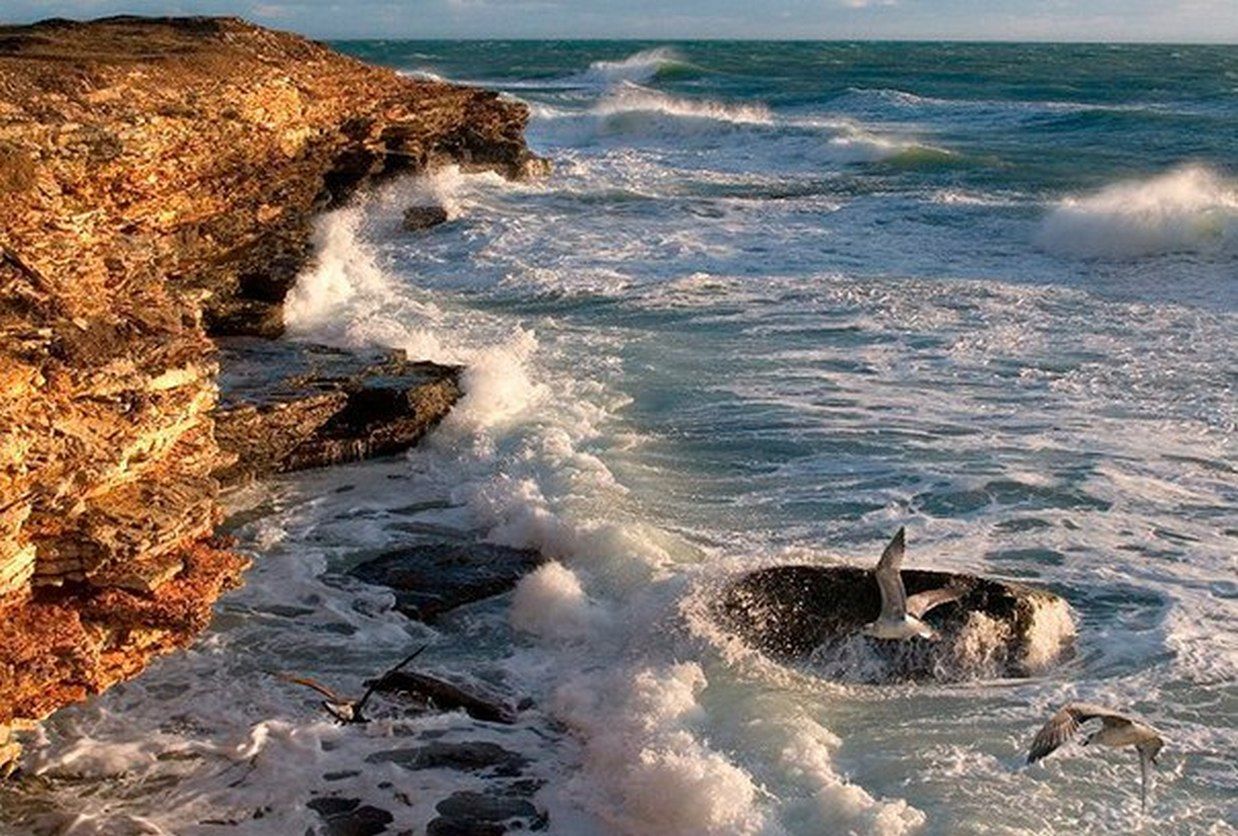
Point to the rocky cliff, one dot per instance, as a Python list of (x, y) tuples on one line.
[(157, 181)]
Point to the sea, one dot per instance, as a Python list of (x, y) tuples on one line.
[(775, 301)]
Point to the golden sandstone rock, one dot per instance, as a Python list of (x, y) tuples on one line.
[(157, 182)]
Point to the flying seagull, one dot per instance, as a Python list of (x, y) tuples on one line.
[(900, 615), (1117, 729), (346, 710)]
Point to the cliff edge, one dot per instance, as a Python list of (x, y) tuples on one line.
[(157, 182)]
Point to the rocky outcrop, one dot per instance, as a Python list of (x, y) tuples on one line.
[(291, 406), (814, 614), (157, 182)]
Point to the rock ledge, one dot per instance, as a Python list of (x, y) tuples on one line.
[(158, 178)]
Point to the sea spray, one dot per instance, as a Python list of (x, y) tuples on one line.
[(633, 113), (551, 603), (343, 298), (640, 67), (826, 803), (514, 453), (1191, 209), (645, 771)]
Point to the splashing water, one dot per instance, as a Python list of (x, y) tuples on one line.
[(1186, 210)]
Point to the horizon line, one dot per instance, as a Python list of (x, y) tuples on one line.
[(757, 40)]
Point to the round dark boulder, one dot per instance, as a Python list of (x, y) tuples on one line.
[(814, 614)]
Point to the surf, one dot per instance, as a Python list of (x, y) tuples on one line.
[(659, 63), (1191, 209)]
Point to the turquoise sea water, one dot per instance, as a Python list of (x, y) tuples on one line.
[(776, 301)]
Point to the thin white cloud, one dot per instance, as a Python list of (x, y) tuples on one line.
[(270, 10)]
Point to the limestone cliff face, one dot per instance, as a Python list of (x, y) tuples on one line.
[(157, 180)]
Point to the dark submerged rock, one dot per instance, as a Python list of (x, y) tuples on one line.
[(291, 406), (431, 578), (477, 814), (472, 756), (348, 817), (417, 218), (815, 613)]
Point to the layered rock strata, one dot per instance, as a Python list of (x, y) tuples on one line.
[(322, 406), (157, 182)]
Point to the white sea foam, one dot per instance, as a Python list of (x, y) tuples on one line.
[(514, 451), (630, 110), (341, 299), (645, 770), (1189, 209), (551, 603), (422, 75), (1052, 630), (860, 145), (830, 804), (963, 197)]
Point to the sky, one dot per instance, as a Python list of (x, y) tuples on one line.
[(1178, 21)]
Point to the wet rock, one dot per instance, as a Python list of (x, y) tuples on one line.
[(348, 817), (417, 218), (431, 693), (291, 406), (488, 758), (814, 614), (476, 814), (430, 579)]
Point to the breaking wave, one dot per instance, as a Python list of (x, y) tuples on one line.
[(632, 98), (645, 66), (630, 112), (1191, 209)]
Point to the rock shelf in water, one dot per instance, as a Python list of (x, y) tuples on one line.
[(813, 615), (288, 406)]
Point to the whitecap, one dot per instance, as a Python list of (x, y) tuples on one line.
[(640, 67), (1189, 209)]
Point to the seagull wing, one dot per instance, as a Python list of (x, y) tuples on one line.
[(309, 683), (890, 580), (922, 602), (377, 682), (1063, 725)]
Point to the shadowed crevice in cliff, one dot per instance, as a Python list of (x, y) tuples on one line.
[(158, 178)]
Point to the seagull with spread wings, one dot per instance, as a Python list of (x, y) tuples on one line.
[(341, 708), (1117, 729), (901, 616)]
